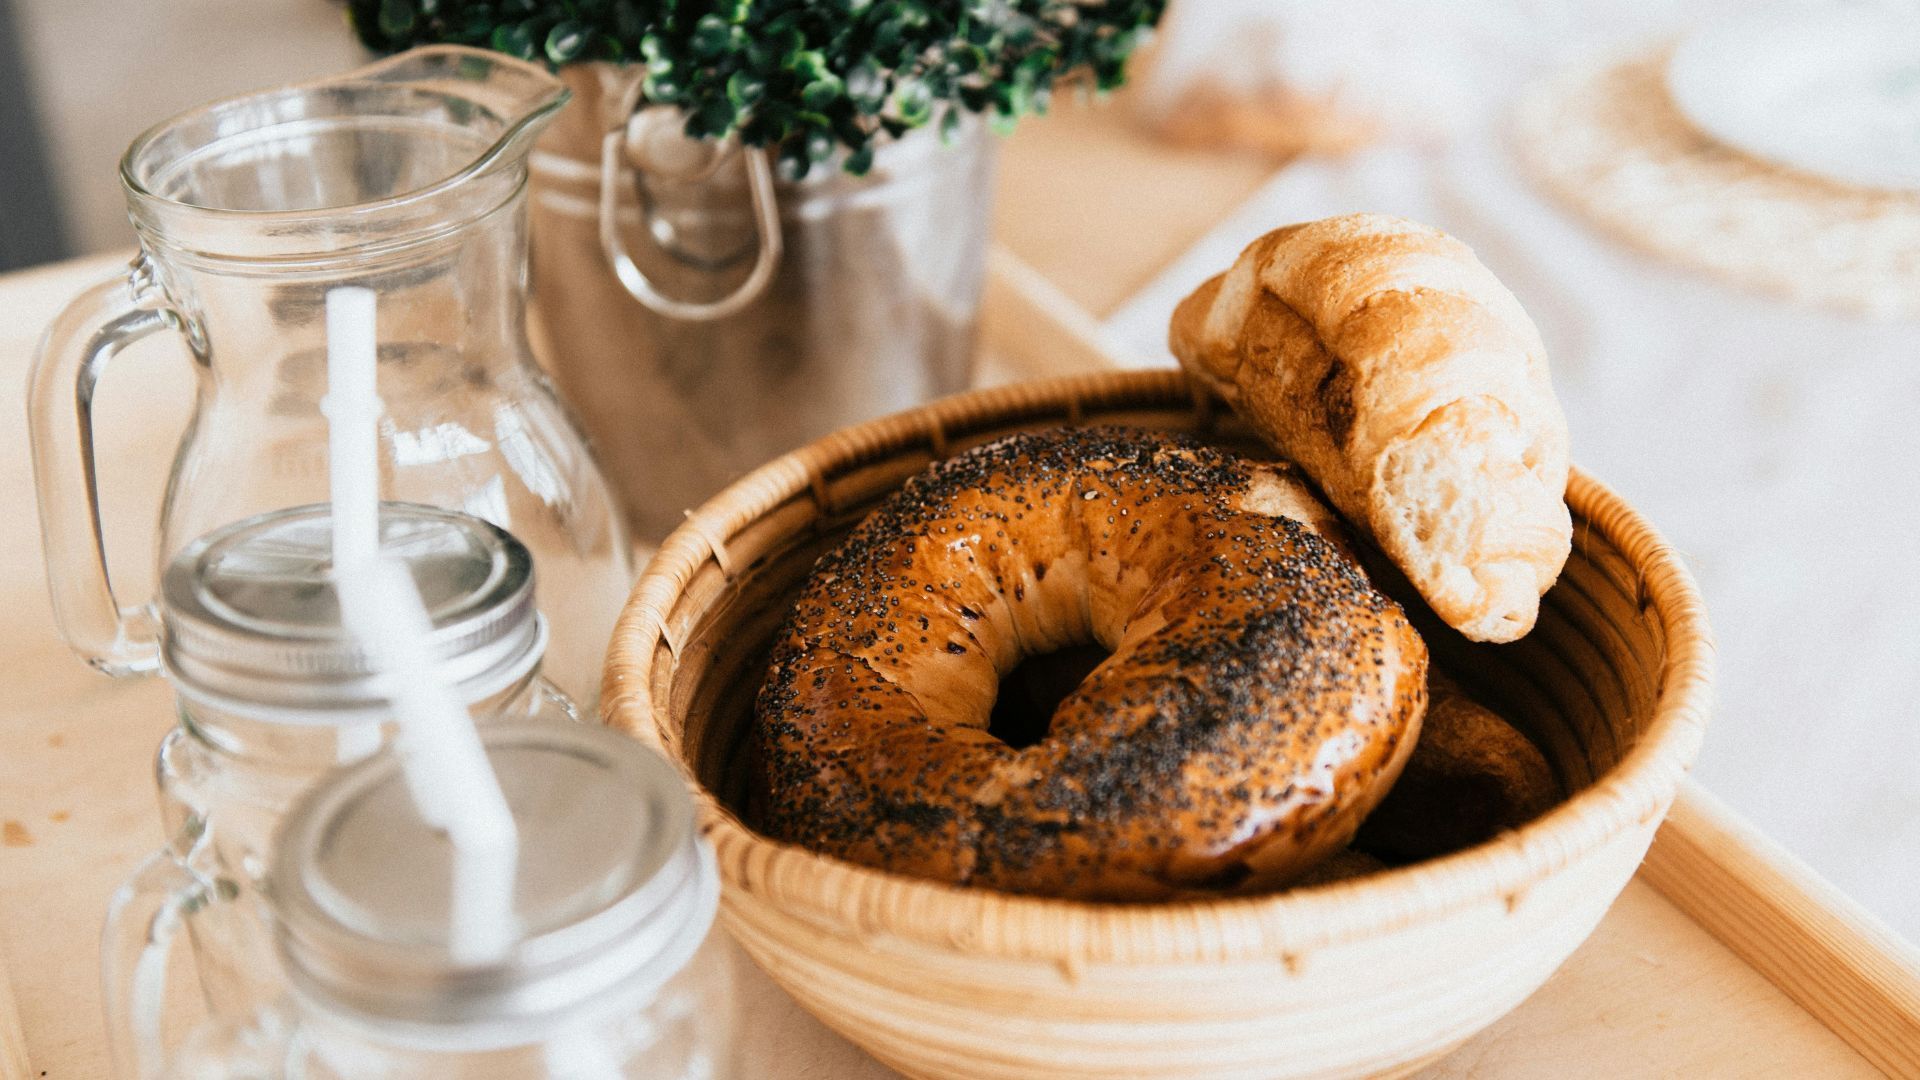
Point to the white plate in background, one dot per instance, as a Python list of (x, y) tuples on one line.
[(1834, 93)]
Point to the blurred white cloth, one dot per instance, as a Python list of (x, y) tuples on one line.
[(1777, 447), (1414, 70)]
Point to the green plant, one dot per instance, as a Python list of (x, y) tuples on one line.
[(811, 78)]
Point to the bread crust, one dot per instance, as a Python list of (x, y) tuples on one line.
[(1472, 776), (1259, 699), (1386, 361)]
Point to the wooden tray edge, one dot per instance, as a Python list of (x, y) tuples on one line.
[(1030, 329), (1832, 957)]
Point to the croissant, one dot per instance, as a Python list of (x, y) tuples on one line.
[(1388, 363)]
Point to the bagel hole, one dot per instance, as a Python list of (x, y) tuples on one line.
[(1023, 709)]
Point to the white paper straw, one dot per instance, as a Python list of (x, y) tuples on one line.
[(583, 1053), (353, 742), (446, 767), (352, 407), (447, 772)]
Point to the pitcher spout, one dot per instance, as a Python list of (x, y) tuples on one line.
[(510, 96)]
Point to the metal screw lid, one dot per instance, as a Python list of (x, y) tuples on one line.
[(250, 621), (613, 891)]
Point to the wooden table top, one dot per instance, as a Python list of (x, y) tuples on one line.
[(77, 802), (1086, 201)]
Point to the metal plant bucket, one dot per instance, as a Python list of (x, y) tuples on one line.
[(704, 315)]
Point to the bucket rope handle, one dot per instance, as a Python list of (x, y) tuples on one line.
[(766, 224)]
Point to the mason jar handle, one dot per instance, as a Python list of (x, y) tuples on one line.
[(143, 918), (74, 353), (766, 224)]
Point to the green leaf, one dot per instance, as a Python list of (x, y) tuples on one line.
[(715, 118), (913, 102), (795, 162), (516, 39), (820, 145), (567, 41), (397, 17), (662, 89), (822, 92), (712, 36), (744, 88), (810, 65)]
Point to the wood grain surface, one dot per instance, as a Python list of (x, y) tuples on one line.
[(77, 800), (1837, 961), (13, 1042), (1098, 208)]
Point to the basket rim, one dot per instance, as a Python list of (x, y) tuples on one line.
[(1634, 794)]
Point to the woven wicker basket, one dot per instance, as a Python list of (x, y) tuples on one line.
[(1374, 976)]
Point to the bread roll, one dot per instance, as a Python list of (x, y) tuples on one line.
[(1472, 776), (1396, 370)]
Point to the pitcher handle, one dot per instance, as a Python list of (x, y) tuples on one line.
[(143, 919), (766, 225), (74, 353)]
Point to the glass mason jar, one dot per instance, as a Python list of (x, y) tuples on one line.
[(617, 970), (407, 177), (273, 694)]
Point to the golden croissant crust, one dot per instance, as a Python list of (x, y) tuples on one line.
[(1386, 361)]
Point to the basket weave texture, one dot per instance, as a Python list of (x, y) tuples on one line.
[(1368, 977)]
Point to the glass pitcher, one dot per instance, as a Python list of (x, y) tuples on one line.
[(407, 177)]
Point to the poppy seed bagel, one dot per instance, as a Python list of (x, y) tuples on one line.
[(1259, 698)]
